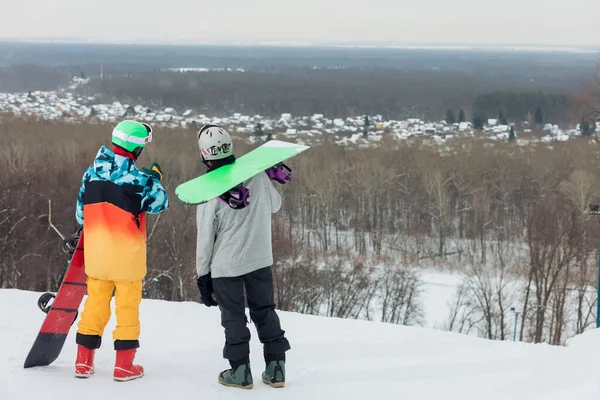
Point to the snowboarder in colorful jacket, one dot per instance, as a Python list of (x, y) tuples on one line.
[(234, 253), (113, 201)]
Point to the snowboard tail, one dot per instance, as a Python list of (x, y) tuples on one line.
[(62, 314), (213, 184), (45, 349)]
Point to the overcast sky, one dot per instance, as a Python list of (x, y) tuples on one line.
[(545, 22)]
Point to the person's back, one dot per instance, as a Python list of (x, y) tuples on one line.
[(242, 238), (115, 198)]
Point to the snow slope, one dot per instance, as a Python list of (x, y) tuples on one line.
[(330, 358)]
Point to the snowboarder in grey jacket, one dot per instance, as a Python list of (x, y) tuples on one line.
[(234, 257)]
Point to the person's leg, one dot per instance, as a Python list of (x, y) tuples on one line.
[(230, 296), (259, 290), (128, 297), (94, 317)]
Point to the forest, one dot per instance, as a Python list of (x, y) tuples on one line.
[(393, 93), (336, 82), (334, 93), (356, 226), (24, 78), (526, 106)]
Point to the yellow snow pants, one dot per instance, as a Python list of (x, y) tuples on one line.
[(96, 310)]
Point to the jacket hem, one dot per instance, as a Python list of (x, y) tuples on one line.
[(115, 279), (228, 272)]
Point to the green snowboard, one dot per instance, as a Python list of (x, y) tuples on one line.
[(213, 184)]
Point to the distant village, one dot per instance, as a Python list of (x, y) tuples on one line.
[(65, 105)]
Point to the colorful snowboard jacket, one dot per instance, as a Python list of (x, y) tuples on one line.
[(113, 201)]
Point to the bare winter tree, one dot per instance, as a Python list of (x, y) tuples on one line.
[(347, 289), (484, 299), (436, 186), (400, 295), (553, 247)]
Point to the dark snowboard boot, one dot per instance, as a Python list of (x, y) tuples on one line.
[(274, 374), (238, 376)]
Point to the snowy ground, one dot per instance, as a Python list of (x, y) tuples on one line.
[(438, 290), (331, 358)]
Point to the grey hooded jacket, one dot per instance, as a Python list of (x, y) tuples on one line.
[(232, 242)]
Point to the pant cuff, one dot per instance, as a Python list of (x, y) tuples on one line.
[(237, 352), (236, 363), (274, 357), (278, 347), (90, 341), (126, 344)]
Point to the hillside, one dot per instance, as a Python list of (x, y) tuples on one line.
[(348, 359)]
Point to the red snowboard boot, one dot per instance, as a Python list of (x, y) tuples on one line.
[(124, 368), (84, 365)]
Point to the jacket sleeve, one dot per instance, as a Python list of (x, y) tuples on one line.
[(156, 199), (205, 222), (79, 208), (274, 195)]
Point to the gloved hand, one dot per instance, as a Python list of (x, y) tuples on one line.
[(204, 283), (278, 174), (154, 170)]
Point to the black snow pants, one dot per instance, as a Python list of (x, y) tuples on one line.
[(259, 293)]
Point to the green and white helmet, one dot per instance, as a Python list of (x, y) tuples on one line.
[(130, 135)]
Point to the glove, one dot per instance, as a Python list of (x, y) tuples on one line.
[(278, 174), (154, 170), (237, 197), (204, 283)]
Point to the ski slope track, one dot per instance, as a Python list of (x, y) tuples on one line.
[(181, 350)]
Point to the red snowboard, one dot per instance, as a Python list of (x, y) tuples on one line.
[(62, 314)]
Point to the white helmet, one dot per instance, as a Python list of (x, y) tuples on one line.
[(214, 143)]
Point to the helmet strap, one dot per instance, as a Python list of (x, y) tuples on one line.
[(137, 151), (131, 155), (216, 164)]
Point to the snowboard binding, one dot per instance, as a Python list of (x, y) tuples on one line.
[(69, 245), (43, 304), (278, 174), (237, 197), (44, 300)]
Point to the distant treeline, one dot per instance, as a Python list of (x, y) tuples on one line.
[(393, 93), (336, 83), (535, 107), (32, 77)]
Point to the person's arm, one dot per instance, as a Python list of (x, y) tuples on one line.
[(156, 199), (205, 225), (274, 196), (79, 208)]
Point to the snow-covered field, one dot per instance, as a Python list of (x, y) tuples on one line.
[(330, 358), (439, 290)]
